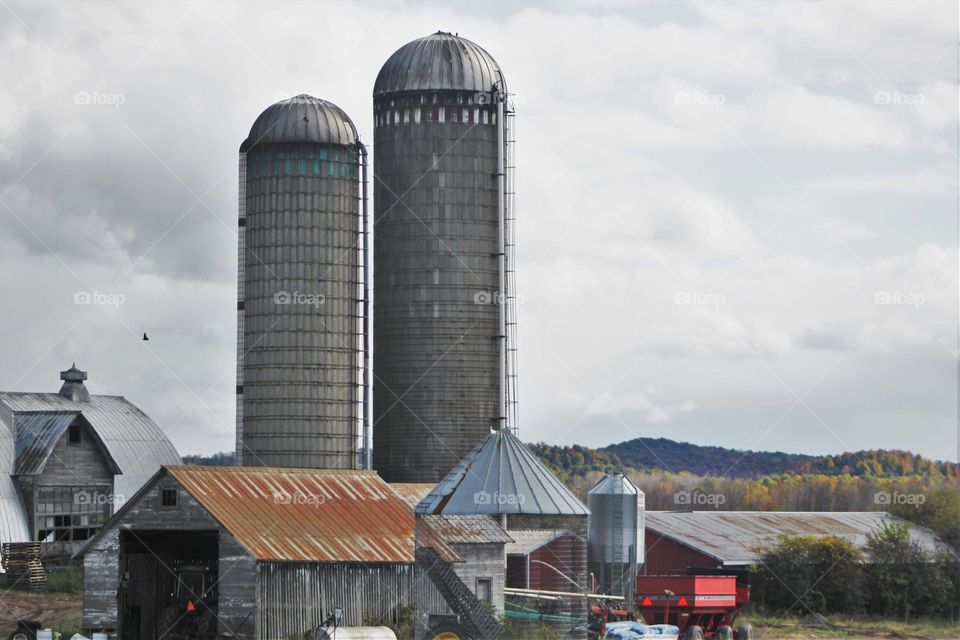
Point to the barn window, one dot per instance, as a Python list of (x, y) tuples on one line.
[(65, 513), (485, 590), (168, 497), (75, 434)]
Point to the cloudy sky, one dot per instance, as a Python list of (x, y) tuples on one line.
[(738, 222)]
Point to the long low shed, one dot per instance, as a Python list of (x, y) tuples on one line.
[(254, 553)]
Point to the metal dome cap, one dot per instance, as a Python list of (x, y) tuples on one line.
[(302, 118), (614, 484), (440, 61)]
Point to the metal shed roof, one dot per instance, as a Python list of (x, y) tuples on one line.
[(14, 525), (453, 529), (134, 441), (735, 537), (501, 476), (301, 118), (440, 61), (305, 515), (468, 529), (526, 541), (38, 433)]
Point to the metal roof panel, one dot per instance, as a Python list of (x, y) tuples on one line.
[(305, 515)]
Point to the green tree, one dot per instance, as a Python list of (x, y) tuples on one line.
[(901, 578), (811, 574)]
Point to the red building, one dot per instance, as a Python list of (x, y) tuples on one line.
[(546, 560), (678, 540)]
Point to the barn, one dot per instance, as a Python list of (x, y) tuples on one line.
[(677, 540), (68, 459), (253, 552)]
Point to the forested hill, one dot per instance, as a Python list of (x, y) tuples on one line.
[(668, 455)]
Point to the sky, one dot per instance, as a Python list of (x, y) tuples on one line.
[(737, 222)]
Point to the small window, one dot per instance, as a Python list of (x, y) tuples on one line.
[(485, 590), (168, 497), (75, 434)]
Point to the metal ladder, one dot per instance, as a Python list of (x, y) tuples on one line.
[(510, 177), (473, 614)]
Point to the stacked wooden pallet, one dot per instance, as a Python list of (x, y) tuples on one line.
[(23, 564)]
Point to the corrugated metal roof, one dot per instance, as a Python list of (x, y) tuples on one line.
[(734, 537), (14, 525), (302, 118), (36, 435), (468, 529), (134, 441), (526, 541), (412, 492), (440, 61), (501, 476), (305, 514), (453, 529)]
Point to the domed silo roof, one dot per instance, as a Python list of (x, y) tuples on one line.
[(441, 61), (302, 118)]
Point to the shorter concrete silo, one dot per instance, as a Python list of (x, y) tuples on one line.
[(615, 534)]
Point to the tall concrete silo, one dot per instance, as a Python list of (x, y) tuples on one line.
[(440, 325), (301, 344), (615, 534)]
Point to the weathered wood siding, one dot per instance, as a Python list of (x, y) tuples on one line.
[(76, 464), (293, 597), (483, 561), (101, 576)]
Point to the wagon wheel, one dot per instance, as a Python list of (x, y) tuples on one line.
[(725, 632), (693, 633), (744, 631)]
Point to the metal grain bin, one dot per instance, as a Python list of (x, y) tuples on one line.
[(438, 265), (615, 534), (301, 304)]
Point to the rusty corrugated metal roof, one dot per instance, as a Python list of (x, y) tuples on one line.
[(453, 529), (736, 537), (412, 492), (468, 529), (305, 515)]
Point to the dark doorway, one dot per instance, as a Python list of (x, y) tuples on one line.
[(168, 585)]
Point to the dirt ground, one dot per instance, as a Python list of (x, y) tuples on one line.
[(54, 610)]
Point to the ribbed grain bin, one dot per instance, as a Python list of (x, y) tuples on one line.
[(615, 534)]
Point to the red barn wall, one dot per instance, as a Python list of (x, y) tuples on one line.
[(569, 555), (664, 556)]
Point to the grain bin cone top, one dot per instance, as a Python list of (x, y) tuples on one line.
[(501, 476), (614, 484)]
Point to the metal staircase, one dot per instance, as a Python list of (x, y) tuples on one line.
[(473, 614)]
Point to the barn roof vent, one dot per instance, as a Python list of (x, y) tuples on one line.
[(73, 388)]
